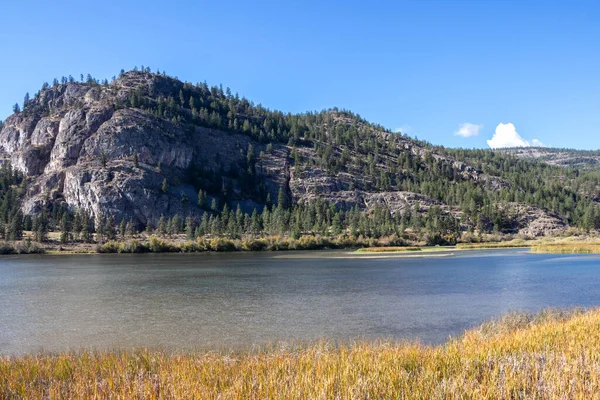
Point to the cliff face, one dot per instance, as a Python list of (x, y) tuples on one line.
[(79, 144), (76, 147)]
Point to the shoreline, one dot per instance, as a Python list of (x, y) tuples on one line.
[(333, 253), (537, 350), (353, 247)]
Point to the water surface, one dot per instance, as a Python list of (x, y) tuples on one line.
[(185, 302)]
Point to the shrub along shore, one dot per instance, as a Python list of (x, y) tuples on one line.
[(572, 245), (554, 354), (391, 244), (220, 244)]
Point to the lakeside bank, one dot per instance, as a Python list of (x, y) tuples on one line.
[(550, 354), (357, 246)]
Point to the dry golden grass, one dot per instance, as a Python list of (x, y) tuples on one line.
[(551, 355), (460, 246), (494, 245), (569, 247), (386, 249)]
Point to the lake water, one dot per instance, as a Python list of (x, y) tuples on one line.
[(206, 301)]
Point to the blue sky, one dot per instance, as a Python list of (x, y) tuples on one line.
[(425, 67)]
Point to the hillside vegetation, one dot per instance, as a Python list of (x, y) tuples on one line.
[(149, 152)]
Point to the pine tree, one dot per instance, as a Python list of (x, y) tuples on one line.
[(255, 224), (16, 226), (250, 155), (86, 230), (174, 225), (122, 228), (130, 229), (204, 225), (101, 228), (282, 199), (201, 199), (161, 227), (77, 225), (109, 228), (189, 228), (66, 227), (165, 186), (40, 227)]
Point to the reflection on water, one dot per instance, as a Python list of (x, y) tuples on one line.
[(182, 302)]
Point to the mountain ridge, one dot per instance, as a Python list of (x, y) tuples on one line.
[(145, 145)]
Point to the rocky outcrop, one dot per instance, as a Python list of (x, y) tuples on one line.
[(533, 221), (582, 159)]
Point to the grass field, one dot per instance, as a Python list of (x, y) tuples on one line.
[(550, 355)]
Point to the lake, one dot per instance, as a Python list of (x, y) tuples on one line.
[(183, 302)]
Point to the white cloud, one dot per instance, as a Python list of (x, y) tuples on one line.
[(468, 129), (506, 135), (537, 143)]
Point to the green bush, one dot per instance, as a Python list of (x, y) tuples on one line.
[(108, 247), (29, 247), (157, 245), (254, 245), (133, 246), (222, 244), (6, 248)]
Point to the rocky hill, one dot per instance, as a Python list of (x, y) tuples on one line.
[(146, 144), (582, 159)]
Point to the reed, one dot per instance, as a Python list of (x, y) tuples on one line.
[(549, 355), (568, 245)]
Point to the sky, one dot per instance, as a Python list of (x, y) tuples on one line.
[(473, 74)]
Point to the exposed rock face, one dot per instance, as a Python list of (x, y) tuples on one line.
[(583, 159), (79, 145), (533, 221), (62, 148)]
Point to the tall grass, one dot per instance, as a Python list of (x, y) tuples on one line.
[(388, 249), (551, 355), (573, 247), (495, 245)]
